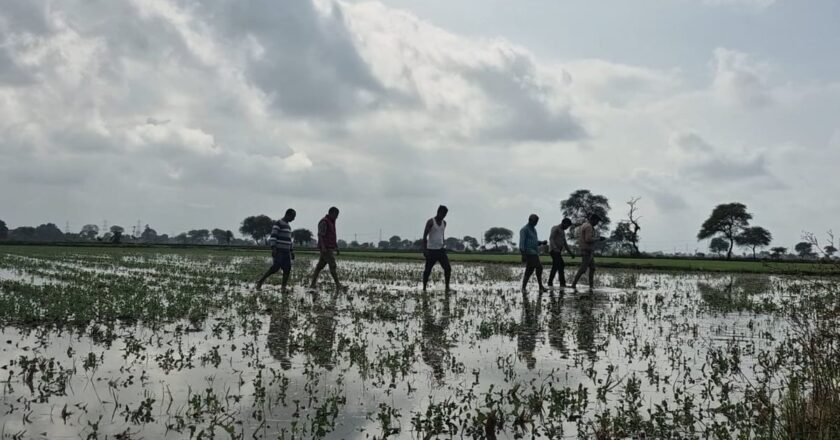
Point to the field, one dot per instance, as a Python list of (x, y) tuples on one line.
[(164, 343)]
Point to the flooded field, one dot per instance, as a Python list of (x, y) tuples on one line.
[(121, 343)]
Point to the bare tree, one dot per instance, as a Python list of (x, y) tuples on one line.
[(633, 217)]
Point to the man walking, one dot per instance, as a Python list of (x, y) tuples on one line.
[(557, 243), (282, 253), (433, 249), (328, 246), (586, 242), (529, 247)]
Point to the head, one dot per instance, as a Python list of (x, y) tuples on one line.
[(533, 219), (594, 219), (441, 212), (290, 215), (566, 223), (333, 213)]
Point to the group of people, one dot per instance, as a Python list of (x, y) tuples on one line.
[(434, 250)]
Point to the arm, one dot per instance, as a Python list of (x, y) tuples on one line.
[(426, 232), (322, 234), (523, 235)]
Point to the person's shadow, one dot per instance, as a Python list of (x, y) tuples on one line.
[(529, 327), (435, 344), (279, 330)]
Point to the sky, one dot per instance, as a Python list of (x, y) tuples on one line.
[(187, 114)]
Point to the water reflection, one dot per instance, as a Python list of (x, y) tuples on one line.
[(587, 327), (529, 326), (279, 329), (556, 326), (434, 347), (324, 310)]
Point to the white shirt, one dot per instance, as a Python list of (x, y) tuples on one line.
[(436, 235)]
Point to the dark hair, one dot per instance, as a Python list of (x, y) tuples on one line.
[(290, 211), (566, 221), (333, 210), (442, 208)]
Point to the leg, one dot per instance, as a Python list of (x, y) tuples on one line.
[(554, 256), (529, 269), (334, 270), (539, 269), (271, 271), (447, 269), (584, 265), (591, 273), (286, 274), (427, 271), (318, 268), (561, 270)]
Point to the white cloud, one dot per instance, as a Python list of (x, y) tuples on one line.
[(739, 79)]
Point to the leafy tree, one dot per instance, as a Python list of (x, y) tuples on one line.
[(89, 232), (149, 235), (417, 244), (355, 244), (830, 250), (778, 251), (498, 236), (395, 242), (182, 238), (384, 245), (198, 235), (718, 245), (622, 236), (582, 203), (754, 237), (454, 243), (407, 244), (116, 234), (470, 242), (4, 230), (258, 227), (228, 236), (48, 232), (728, 220), (804, 249), (23, 233), (302, 237), (219, 235)]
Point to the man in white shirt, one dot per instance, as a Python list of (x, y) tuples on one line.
[(433, 247)]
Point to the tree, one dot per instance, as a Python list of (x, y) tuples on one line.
[(633, 218), (470, 242), (89, 232), (718, 245), (355, 244), (220, 235), (198, 236), (116, 234), (753, 238), (777, 252), (395, 242), (302, 237), (498, 236), (383, 245), (23, 233), (4, 230), (148, 235), (621, 236), (182, 238), (728, 220), (48, 232), (342, 244), (228, 236), (830, 250), (804, 249), (454, 243), (258, 227), (582, 203)]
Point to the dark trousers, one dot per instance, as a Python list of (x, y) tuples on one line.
[(558, 267), (434, 256), (532, 264)]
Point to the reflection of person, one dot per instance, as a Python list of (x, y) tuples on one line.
[(433, 249), (529, 326), (556, 327), (435, 345), (586, 242), (325, 329), (557, 243), (328, 246), (279, 329), (586, 327), (529, 247), (282, 253)]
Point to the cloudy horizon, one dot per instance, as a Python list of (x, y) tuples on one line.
[(186, 114)]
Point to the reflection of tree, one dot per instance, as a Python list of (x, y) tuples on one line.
[(556, 329), (733, 293), (435, 344), (529, 326), (586, 327), (279, 330), (325, 328)]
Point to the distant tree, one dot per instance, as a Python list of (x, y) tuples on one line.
[(257, 227), (718, 245), (754, 237), (728, 220), (355, 244), (116, 234), (804, 249), (454, 244), (395, 242), (384, 245), (406, 244), (621, 237), (830, 250), (48, 232), (342, 244), (634, 228), (23, 233), (581, 204), (302, 237), (198, 236), (228, 236), (778, 251), (182, 238), (470, 242), (498, 236), (220, 235), (89, 232), (417, 244), (149, 235), (4, 230)]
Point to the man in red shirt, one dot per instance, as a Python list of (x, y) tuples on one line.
[(328, 245)]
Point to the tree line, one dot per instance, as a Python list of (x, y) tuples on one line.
[(728, 225)]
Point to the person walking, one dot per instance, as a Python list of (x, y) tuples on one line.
[(328, 247), (433, 247), (557, 243), (586, 243), (282, 253), (529, 247)]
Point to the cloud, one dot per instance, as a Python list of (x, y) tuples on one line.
[(739, 79), (756, 4)]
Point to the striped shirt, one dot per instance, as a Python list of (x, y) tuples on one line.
[(281, 236), (529, 244)]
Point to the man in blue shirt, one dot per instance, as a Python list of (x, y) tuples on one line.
[(529, 247)]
